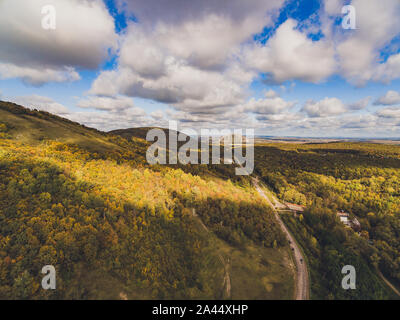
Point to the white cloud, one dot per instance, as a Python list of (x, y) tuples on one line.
[(359, 50), (333, 7), (107, 103), (200, 57), (289, 54), (183, 86), (324, 108), (111, 120), (365, 121), (390, 98), (388, 71), (36, 76), (157, 115), (41, 103), (389, 113), (271, 94), (151, 12), (268, 105), (186, 53), (84, 33), (282, 118), (360, 104), (206, 43)]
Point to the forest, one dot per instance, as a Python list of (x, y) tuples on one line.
[(361, 179), (116, 227), (110, 224)]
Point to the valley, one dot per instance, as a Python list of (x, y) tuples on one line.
[(115, 227)]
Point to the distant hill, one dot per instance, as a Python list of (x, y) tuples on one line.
[(32, 126), (140, 133)]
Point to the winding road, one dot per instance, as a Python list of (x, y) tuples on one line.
[(302, 284)]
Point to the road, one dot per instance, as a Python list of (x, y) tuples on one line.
[(302, 284), (388, 283)]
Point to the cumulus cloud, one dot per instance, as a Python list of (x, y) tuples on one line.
[(324, 108), (389, 113), (271, 104), (107, 103), (333, 106), (354, 54), (157, 115), (359, 122), (204, 43), (84, 34), (200, 58), (38, 77), (333, 7), (151, 12), (41, 103), (290, 54), (360, 104), (186, 54), (283, 118), (271, 94), (358, 50), (390, 98), (113, 119), (185, 87)]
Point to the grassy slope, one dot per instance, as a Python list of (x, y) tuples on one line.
[(257, 273), (38, 126)]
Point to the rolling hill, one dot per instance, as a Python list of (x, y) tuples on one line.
[(87, 202)]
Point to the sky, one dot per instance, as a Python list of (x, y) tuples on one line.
[(283, 68)]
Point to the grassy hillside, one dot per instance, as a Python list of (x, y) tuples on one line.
[(32, 126), (114, 227)]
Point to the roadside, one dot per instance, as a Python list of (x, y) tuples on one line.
[(302, 285)]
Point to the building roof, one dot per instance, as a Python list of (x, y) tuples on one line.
[(342, 214), (295, 207)]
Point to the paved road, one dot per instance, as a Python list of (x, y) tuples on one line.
[(302, 284)]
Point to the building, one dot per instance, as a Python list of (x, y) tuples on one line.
[(348, 222), (295, 207), (344, 218)]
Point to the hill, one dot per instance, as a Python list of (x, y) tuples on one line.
[(140, 132), (86, 202), (32, 126)]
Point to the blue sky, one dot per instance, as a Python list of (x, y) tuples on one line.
[(280, 67)]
